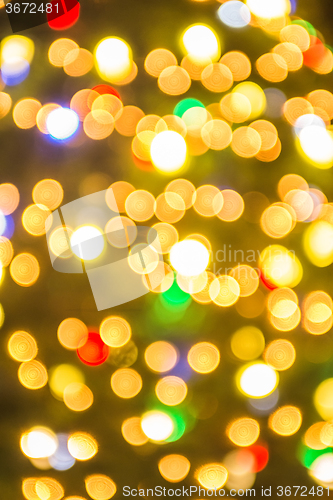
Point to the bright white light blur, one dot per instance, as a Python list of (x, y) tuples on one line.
[(234, 14), (189, 257), (318, 243), (258, 380), (87, 242), (2, 223), (322, 468), (39, 443), (168, 151), (157, 426), (201, 43), (17, 47), (62, 459), (307, 121), (268, 9), (317, 144), (113, 59), (62, 123)]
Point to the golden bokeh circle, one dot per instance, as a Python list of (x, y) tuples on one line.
[(174, 468), (296, 107), (107, 102), (238, 63), (37, 219), (268, 133), (167, 236), (272, 67), (280, 354), (291, 53), (120, 232), (59, 49), (24, 269), (159, 59), (127, 120), (5, 104), (216, 134), (25, 113), (126, 383), (246, 142), (133, 433), (276, 222), (235, 107), (208, 201), (116, 195), (9, 198), (82, 446), (100, 487), (171, 390), (115, 331), (160, 279), (203, 357), (296, 34), (140, 205), (286, 420), (33, 375), (48, 193), (312, 436), (59, 242), (244, 431), (233, 206), (78, 62), (217, 77), (224, 291), (98, 124), (322, 99), (169, 207), (174, 80), (161, 356), (6, 251), (247, 278), (78, 396), (81, 102), (72, 333), (22, 346), (185, 189), (212, 476)]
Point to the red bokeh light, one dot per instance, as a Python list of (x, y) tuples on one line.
[(94, 352), (261, 456), (315, 53), (71, 9), (106, 89), (266, 282)]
